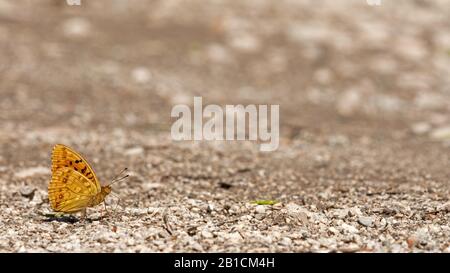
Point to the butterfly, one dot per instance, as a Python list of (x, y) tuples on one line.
[(74, 186)]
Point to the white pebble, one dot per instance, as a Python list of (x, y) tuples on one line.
[(442, 133), (260, 209), (141, 75), (76, 27)]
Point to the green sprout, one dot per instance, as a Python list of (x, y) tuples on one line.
[(264, 202)]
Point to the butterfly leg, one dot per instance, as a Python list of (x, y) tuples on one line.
[(106, 210), (83, 215)]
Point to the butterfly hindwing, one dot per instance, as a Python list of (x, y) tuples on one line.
[(70, 191), (65, 157)]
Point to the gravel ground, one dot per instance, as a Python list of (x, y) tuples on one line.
[(364, 95)]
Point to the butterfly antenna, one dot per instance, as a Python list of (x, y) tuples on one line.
[(116, 179), (119, 179), (119, 174)]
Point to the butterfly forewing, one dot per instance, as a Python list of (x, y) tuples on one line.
[(65, 157)]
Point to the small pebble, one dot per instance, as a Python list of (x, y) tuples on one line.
[(27, 192), (260, 209), (365, 221)]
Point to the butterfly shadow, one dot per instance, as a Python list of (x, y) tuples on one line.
[(70, 219), (63, 218)]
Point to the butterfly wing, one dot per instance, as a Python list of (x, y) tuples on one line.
[(65, 157), (70, 191)]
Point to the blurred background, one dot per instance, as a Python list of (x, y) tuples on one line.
[(333, 66), (364, 95)]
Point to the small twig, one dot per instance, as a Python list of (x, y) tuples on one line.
[(166, 225)]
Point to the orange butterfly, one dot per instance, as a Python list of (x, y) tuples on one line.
[(74, 186)]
